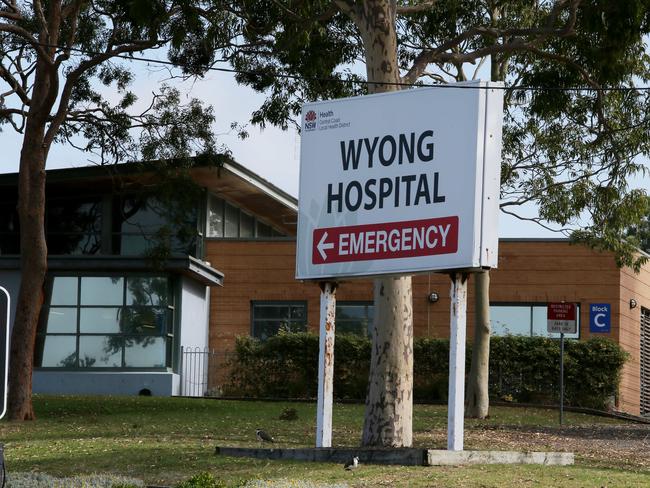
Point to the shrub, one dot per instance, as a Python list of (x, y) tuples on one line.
[(522, 369), (201, 480), (289, 413)]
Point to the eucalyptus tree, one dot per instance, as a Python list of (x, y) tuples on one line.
[(58, 59), (641, 231), (567, 152)]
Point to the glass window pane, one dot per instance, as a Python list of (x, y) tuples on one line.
[(144, 320), (351, 312), (271, 318), (263, 329), (152, 291), (100, 351), (353, 318), (64, 291), (144, 352), (62, 320), (278, 311), (510, 320), (135, 244), (8, 217), (232, 221), (100, 320), (102, 291), (263, 230), (142, 214), (297, 312), (293, 326), (540, 319), (246, 225), (215, 217), (59, 243), (59, 352), (74, 215)]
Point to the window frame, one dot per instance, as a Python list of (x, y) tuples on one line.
[(257, 222), (284, 303), (168, 334)]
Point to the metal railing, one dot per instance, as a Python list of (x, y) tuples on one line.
[(195, 370), (203, 371)]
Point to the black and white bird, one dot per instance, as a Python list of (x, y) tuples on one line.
[(263, 436), (352, 463)]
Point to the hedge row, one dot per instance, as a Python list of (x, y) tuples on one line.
[(522, 369)]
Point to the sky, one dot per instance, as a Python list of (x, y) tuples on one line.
[(271, 153)]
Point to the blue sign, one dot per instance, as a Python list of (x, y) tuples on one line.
[(600, 317)]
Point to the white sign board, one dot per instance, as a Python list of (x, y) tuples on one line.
[(400, 182), (561, 318)]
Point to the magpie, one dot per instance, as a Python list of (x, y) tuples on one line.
[(352, 463)]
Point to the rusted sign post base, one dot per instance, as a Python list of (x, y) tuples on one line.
[(326, 364), (457, 334)]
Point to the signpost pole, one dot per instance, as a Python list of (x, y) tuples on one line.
[(456, 402), (326, 364), (561, 378)]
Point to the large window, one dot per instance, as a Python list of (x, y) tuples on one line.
[(116, 224), (142, 223), (74, 225), (354, 317), (270, 318), (106, 322), (226, 220), (524, 319)]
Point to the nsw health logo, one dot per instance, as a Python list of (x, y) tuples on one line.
[(310, 120)]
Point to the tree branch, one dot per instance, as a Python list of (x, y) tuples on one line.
[(74, 75), (415, 9), (521, 39), (71, 10), (40, 15), (16, 87), (27, 37)]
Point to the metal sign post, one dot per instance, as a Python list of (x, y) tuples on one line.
[(456, 401), (561, 378), (326, 365), (561, 317), (5, 302)]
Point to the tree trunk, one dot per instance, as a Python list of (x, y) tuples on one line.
[(478, 401), (33, 259), (389, 401), (33, 249)]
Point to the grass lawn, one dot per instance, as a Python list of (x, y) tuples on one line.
[(164, 440)]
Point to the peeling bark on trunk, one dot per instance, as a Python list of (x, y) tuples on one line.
[(389, 401), (478, 401)]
